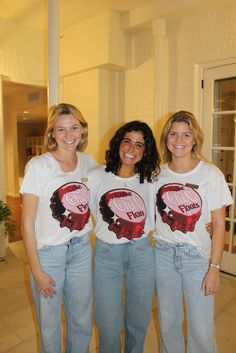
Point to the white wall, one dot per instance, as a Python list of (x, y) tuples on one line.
[(22, 52), (91, 68), (98, 94), (201, 38), (92, 52)]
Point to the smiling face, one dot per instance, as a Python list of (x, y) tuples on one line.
[(132, 148), (180, 140), (67, 132)]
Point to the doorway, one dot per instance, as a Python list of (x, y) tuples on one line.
[(219, 126), (25, 120)]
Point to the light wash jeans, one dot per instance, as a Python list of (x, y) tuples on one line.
[(69, 264), (180, 270), (131, 264)]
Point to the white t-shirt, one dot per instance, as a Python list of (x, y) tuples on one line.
[(63, 210), (122, 207), (184, 204)]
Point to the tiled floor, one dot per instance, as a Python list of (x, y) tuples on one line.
[(18, 332)]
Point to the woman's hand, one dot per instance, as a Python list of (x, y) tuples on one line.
[(45, 285), (209, 228), (211, 282)]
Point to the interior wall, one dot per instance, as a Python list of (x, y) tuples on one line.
[(139, 77), (99, 96), (201, 38), (191, 38), (22, 51), (95, 42), (93, 80), (82, 90)]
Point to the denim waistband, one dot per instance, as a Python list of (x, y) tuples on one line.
[(166, 244), (144, 240), (75, 240)]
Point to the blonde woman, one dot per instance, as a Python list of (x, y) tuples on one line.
[(56, 224), (190, 193)]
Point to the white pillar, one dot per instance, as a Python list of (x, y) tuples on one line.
[(53, 54), (159, 33)]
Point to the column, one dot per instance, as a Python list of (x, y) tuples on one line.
[(159, 34), (53, 54)]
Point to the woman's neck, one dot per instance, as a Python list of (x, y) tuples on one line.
[(183, 165), (67, 161), (126, 171)]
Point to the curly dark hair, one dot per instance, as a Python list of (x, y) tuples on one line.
[(149, 166)]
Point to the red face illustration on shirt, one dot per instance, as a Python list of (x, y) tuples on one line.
[(179, 206), (125, 213), (69, 205)]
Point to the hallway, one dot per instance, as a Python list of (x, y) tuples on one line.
[(18, 332)]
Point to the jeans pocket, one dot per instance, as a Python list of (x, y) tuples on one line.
[(101, 247), (46, 249), (161, 245), (192, 252), (142, 244), (86, 240)]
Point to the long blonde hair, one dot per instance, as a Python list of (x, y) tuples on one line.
[(54, 113), (196, 131)]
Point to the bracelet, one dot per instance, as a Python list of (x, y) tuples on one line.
[(215, 266)]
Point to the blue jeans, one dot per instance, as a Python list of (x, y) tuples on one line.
[(131, 264), (69, 264), (180, 270)]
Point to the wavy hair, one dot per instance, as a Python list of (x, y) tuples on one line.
[(54, 113), (149, 166), (196, 131)]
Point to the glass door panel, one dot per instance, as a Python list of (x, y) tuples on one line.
[(224, 94), (225, 161), (223, 130), (219, 119)]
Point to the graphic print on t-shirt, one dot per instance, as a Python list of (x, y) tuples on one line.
[(180, 206), (69, 205), (125, 212)]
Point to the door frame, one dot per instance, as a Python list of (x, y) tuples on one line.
[(4, 78), (198, 78), (198, 100)]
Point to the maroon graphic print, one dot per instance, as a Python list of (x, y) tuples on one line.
[(125, 212), (69, 205), (179, 206)]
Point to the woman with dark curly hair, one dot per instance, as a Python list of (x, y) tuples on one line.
[(122, 202)]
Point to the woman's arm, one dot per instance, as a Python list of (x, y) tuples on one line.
[(44, 282), (211, 281)]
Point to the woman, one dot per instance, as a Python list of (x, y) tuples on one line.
[(190, 193), (121, 197), (56, 224)]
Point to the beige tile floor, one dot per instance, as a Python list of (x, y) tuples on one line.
[(18, 330)]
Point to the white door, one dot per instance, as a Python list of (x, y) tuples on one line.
[(219, 122)]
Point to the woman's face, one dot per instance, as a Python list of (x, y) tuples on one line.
[(67, 132), (180, 140), (132, 148)]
